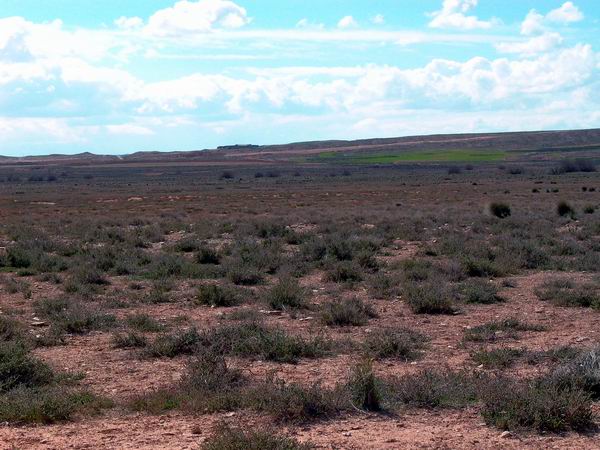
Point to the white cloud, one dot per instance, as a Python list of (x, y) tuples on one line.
[(188, 17), (129, 23), (378, 19), (536, 44), (129, 129), (305, 23), (567, 13), (454, 15), (536, 23), (347, 22)]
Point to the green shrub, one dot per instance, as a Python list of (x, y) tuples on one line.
[(499, 358), (144, 323), (343, 272), (286, 294), (582, 372), (70, 316), (564, 209), (480, 291), (244, 274), (432, 389), (511, 405), (226, 438), (292, 403), (500, 210), (364, 387), (401, 343), (208, 255), (492, 331), (352, 312), (563, 292), (129, 340), (217, 296), (589, 209), (429, 298), (254, 340), (184, 342), (47, 405), (19, 369)]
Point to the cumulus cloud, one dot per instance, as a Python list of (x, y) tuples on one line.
[(537, 44), (347, 22), (129, 23), (378, 19), (305, 23), (188, 17), (567, 13), (536, 23), (454, 14)]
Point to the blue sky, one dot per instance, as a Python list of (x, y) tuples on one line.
[(117, 77)]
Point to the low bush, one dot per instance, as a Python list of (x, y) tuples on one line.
[(254, 340), (500, 210), (286, 294), (500, 358), (129, 340), (352, 312), (70, 316), (512, 405), (400, 343), (208, 255), (429, 298), (364, 388), (581, 372), (144, 323), (225, 438), (182, 342), (217, 296), (343, 272), (503, 329), (480, 291), (433, 389), (564, 209), (563, 292)]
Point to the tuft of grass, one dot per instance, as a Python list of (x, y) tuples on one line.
[(129, 340), (500, 210), (343, 272), (429, 298), (480, 291), (400, 343), (500, 358), (217, 296), (563, 292), (226, 438), (182, 342), (436, 389), (543, 407), (286, 294), (254, 340), (352, 312), (492, 331), (365, 388), (581, 372), (208, 255), (564, 209), (70, 316), (144, 323)]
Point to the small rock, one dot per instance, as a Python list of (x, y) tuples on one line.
[(506, 435), (38, 324)]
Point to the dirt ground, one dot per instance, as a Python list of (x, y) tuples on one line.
[(120, 375)]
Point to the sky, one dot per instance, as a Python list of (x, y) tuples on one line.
[(120, 76)]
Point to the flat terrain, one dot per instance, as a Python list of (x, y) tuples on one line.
[(379, 298)]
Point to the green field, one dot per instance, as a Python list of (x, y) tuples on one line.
[(464, 156)]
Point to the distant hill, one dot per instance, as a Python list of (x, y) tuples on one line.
[(443, 147)]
